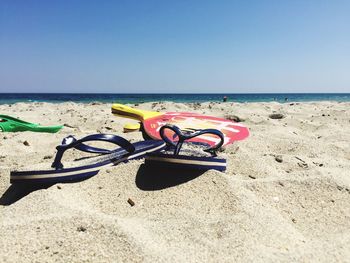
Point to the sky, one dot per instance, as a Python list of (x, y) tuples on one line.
[(182, 46)]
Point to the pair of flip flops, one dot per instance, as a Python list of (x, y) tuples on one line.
[(11, 124), (164, 152)]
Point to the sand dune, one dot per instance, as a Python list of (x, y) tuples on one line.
[(285, 196)]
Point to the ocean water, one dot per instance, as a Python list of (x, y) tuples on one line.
[(9, 98)]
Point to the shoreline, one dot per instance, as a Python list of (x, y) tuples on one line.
[(10, 98), (92, 103)]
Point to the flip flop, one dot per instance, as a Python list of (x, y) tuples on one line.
[(11, 124), (125, 152), (193, 155)]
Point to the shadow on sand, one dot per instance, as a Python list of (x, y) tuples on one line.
[(152, 178), (148, 178), (17, 191)]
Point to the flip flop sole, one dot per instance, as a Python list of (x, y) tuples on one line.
[(86, 171), (186, 162)]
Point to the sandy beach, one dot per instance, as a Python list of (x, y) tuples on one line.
[(285, 196)]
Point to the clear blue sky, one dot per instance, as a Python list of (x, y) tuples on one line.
[(175, 46)]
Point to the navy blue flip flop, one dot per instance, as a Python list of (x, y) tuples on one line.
[(193, 156), (125, 152)]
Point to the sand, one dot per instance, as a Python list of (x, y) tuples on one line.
[(284, 198)]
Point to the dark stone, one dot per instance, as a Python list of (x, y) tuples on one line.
[(278, 158), (81, 229), (131, 202), (234, 118), (276, 116)]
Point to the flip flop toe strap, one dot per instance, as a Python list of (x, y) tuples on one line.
[(70, 142), (189, 135)]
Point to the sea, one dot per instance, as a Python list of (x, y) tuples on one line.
[(10, 98)]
